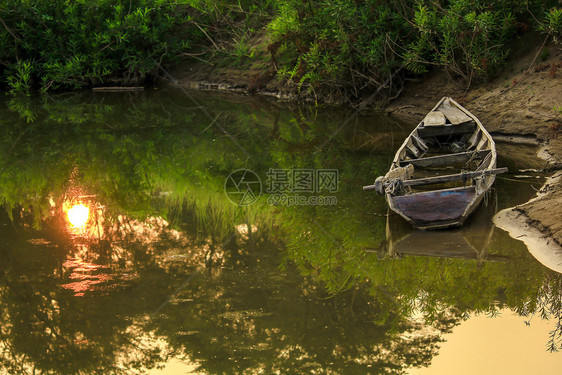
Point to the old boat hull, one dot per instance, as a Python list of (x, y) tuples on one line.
[(449, 136), (436, 209)]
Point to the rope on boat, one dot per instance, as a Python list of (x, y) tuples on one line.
[(391, 183), (394, 186)]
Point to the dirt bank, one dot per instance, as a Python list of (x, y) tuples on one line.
[(524, 104)]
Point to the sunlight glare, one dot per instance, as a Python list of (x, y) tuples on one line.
[(78, 215)]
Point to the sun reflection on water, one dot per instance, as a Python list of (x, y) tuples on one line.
[(78, 215), (84, 218), (86, 276), (102, 243)]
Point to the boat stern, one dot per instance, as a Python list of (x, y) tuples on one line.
[(436, 209)]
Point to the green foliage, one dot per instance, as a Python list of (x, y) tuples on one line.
[(230, 30), (20, 81), (358, 44), (335, 38), (241, 49), (552, 24), (72, 44), (313, 43), (467, 39)]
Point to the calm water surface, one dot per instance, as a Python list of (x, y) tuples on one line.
[(120, 251)]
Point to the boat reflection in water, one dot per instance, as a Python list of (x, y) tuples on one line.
[(470, 241)]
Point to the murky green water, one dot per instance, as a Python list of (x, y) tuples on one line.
[(165, 273)]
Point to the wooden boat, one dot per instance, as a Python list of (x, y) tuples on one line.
[(443, 169)]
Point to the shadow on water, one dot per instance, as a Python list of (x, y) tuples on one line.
[(158, 264)]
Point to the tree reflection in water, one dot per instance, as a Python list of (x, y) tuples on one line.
[(167, 268)]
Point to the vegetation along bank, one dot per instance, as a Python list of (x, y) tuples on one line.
[(501, 59)]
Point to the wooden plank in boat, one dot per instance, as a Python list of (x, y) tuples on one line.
[(445, 130), (475, 139), (441, 160), (452, 177), (435, 206), (454, 114), (412, 151), (466, 176), (434, 118), (419, 143)]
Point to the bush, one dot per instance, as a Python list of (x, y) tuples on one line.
[(337, 39), (468, 39), (358, 44), (552, 24), (354, 45), (76, 43)]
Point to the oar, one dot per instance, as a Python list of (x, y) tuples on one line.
[(446, 178)]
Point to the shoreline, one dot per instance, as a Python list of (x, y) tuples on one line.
[(517, 223), (523, 105)]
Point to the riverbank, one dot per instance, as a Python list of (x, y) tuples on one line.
[(522, 105)]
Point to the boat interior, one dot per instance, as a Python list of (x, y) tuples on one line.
[(447, 141)]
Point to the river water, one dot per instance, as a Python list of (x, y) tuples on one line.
[(175, 232)]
